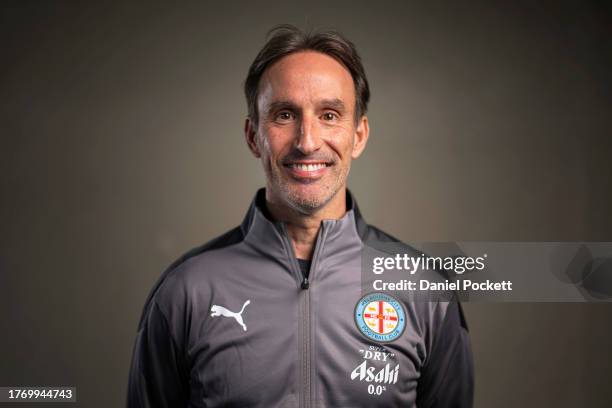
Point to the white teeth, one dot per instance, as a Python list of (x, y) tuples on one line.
[(308, 167)]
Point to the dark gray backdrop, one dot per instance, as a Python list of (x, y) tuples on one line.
[(122, 147)]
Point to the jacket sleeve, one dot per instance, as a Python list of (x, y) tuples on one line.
[(447, 378), (158, 377)]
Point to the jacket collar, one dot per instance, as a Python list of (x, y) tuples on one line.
[(270, 237)]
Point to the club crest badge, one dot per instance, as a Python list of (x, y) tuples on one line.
[(380, 317)]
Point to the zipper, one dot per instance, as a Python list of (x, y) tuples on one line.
[(304, 345)]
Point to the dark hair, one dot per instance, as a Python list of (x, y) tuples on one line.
[(287, 39)]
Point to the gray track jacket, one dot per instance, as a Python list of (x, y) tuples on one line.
[(235, 323)]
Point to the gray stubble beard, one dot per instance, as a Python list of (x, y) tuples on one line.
[(302, 205)]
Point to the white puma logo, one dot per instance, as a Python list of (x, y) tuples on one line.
[(221, 311)]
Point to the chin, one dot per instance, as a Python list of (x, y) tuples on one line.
[(307, 201)]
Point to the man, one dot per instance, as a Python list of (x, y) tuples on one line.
[(265, 315)]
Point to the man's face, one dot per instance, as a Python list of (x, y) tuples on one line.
[(307, 134)]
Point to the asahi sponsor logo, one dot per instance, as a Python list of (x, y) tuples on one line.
[(376, 375), (385, 375)]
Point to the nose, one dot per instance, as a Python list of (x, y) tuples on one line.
[(308, 139)]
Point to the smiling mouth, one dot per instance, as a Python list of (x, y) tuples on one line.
[(307, 166), (307, 170)]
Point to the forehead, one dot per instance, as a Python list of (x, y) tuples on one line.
[(306, 77)]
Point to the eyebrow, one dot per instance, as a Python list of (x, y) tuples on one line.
[(333, 103), (280, 105)]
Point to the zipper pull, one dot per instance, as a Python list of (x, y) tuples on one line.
[(305, 283)]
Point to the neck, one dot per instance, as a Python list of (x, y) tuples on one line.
[(304, 228)]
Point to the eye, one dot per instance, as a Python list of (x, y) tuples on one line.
[(328, 116), (284, 116)]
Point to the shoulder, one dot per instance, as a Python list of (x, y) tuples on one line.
[(381, 241), (172, 287)]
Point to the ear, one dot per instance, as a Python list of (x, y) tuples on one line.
[(250, 134), (361, 137)]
